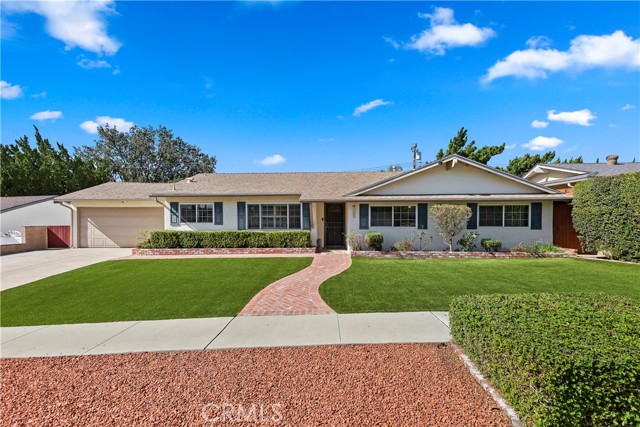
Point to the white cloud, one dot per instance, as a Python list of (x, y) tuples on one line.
[(538, 42), (9, 91), (77, 23), (42, 94), (91, 126), (369, 106), (46, 115), (276, 159), (510, 146), (539, 124), (580, 117), (616, 50), (116, 70), (392, 42), (445, 33), (90, 64), (628, 107), (540, 143)]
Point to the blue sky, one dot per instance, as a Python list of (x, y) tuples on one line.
[(304, 86)]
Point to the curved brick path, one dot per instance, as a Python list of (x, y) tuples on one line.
[(298, 293)]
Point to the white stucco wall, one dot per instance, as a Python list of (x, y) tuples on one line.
[(44, 213), (461, 179), (510, 236)]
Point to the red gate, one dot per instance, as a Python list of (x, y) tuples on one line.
[(58, 236)]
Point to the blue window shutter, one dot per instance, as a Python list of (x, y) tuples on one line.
[(473, 221), (364, 217), (174, 208), (242, 208), (422, 216), (217, 213), (536, 216), (306, 217)]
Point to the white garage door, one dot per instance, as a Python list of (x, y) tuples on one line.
[(116, 227)]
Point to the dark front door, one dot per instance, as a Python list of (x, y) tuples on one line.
[(334, 224), (564, 235)]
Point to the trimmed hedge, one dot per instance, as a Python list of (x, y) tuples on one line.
[(606, 215), (559, 359), (160, 239)]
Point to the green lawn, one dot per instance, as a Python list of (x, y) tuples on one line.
[(144, 290), (394, 285)]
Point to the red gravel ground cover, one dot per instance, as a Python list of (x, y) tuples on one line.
[(372, 385)]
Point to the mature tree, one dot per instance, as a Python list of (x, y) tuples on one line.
[(519, 166), (450, 220), (460, 145), (147, 155), (45, 169)]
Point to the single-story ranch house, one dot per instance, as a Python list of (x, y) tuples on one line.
[(329, 204)]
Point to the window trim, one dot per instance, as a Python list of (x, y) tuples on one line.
[(393, 212), (260, 227), (527, 205), (501, 216), (196, 204)]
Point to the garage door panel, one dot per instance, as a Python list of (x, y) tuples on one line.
[(117, 227)]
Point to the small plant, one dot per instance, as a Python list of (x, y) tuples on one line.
[(491, 245), (450, 220), (468, 240), (536, 248), (354, 241), (374, 240), (421, 237), (403, 246)]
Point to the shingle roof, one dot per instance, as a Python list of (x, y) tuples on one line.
[(8, 203), (599, 169), (116, 191)]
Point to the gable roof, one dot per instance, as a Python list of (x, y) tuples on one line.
[(10, 203), (453, 158), (115, 191), (594, 169)]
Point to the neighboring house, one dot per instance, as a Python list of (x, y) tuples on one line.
[(17, 212), (562, 177), (329, 204)]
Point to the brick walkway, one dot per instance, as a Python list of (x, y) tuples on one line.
[(297, 294)]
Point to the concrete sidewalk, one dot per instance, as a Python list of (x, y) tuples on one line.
[(223, 332)]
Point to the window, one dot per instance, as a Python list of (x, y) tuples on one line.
[(294, 216), (490, 216), (381, 216), (516, 216), (191, 212), (273, 216), (205, 213), (187, 213), (254, 217), (404, 216)]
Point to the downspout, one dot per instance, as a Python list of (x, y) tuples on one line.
[(73, 212)]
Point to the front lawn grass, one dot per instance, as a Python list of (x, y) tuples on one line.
[(144, 290), (395, 285)]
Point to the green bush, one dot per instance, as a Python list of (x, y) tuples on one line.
[(468, 240), (560, 360), (374, 240), (491, 245), (535, 248), (606, 215), (402, 246), (227, 239)]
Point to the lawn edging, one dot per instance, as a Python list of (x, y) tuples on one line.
[(222, 251), (454, 255)]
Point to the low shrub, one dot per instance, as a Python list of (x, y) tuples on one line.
[(559, 359), (403, 246), (535, 248), (227, 239), (468, 240), (354, 241), (374, 240), (491, 245)]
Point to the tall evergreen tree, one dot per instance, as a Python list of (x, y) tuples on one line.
[(519, 166), (459, 145), (44, 169)]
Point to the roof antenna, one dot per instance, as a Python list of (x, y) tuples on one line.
[(416, 154)]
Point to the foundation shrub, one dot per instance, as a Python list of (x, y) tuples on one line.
[(374, 240), (559, 359), (491, 245), (227, 239)]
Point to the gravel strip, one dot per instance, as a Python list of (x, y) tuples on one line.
[(361, 385)]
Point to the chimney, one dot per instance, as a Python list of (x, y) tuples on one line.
[(612, 159)]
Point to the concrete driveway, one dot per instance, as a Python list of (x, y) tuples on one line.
[(19, 269)]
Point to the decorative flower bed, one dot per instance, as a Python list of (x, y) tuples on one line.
[(447, 254)]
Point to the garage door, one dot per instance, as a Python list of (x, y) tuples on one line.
[(116, 227)]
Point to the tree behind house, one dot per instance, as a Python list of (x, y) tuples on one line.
[(450, 220), (459, 145), (519, 166), (147, 155)]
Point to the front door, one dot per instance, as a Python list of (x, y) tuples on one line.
[(564, 235), (334, 224)]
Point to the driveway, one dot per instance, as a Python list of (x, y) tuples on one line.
[(26, 267)]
